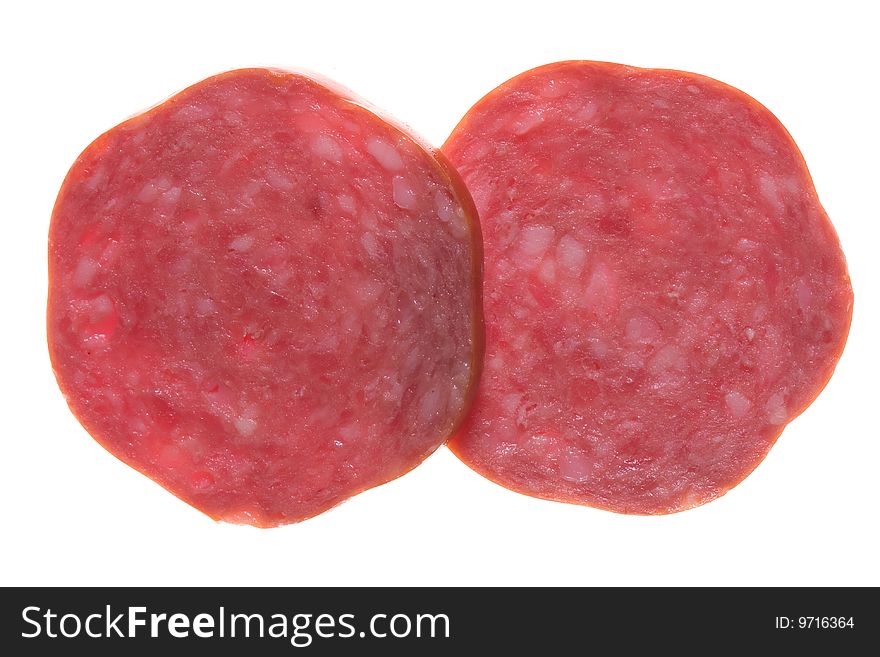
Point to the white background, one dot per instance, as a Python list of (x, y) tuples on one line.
[(75, 515)]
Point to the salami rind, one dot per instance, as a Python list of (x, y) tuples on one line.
[(264, 296), (663, 290)]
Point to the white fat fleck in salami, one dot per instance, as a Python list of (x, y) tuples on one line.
[(404, 193), (264, 297), (385, 154), (664, 292)]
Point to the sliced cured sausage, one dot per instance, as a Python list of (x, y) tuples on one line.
[(264, 297), (663, 290)]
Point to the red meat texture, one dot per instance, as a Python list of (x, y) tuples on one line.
[(264, 296), (663, 289)]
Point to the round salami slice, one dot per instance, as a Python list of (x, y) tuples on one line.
[(264, 297), (663, 290)]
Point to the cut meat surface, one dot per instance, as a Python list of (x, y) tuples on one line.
[(264, 296), (663, 290)]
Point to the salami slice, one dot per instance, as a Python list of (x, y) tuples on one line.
[(264, 297), (663, 290)]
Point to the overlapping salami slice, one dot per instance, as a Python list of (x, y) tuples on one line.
[(264, 297), (663, 290)]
